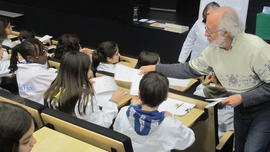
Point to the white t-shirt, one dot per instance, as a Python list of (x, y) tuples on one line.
[(104, 111), (107, 67), (33, 80)]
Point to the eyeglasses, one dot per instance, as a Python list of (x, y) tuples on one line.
[(209, 32)]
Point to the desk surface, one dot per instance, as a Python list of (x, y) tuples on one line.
[(190, 118), (49, 140), (183, 89)]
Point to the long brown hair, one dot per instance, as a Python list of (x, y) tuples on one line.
[(72, 83), (14, 123)]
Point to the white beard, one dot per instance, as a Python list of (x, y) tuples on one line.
[(218, 42)]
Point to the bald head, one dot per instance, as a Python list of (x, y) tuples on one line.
[(225, 18)]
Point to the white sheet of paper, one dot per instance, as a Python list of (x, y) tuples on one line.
[(104, 84), (151, 21), (143, 20), (125, 73), (45, 38), (134, 88), (8, 43), (4, 71), (216, 101), (178, 82), (176, 107)]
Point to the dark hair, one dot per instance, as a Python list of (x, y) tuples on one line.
[(14, 123), (26, 34), (211, 5), (72, 83), (104, 50), (28, 48), (66, 43), (147, 58), (153, 88), (4, 22)]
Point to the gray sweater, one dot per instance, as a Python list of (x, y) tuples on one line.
[(254, 100)]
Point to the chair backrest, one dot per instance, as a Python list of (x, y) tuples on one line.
[(54, 63), (128, 61), (33, 107), (98, 136)]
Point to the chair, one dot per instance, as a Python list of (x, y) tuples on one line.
[(226, 142), (98, 136), (128, 61), (206, 128), (54, 63), (31, 106)]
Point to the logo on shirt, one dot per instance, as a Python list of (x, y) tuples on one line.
[(25, 88)]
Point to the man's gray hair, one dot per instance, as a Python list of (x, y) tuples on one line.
[(231, 23)]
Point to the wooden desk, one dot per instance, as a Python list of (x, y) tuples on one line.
[(12, 36), (183, 89), (49, 140), (190, 118)]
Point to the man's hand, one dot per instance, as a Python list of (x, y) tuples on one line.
[(148, 68), (233, 100)]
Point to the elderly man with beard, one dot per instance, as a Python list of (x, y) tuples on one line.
[(241, 62)]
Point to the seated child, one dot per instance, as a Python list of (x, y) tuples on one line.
[(33, 77), (147, 58), (149, 129), (5, 30), (16, 129), (212, 88), (69, 42), (106, 56), (26, 34), (65, 43), (72, 92)]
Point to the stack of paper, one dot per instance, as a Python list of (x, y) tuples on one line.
[(125, 73), (45, 38), (215, 101), (104, 84), (175, 107), (175, 28), (178, 82)]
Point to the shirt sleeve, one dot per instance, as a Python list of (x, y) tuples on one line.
[(184, 136), (181, 70), (201, 64), (188, 44)]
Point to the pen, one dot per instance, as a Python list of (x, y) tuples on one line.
[(178, 105)]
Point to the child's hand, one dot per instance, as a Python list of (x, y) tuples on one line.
[(87, 51), (135, 100), (119, 94)]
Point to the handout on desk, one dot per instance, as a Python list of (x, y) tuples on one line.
[(175, 107)]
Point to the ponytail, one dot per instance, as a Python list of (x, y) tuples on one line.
[(96, 58), (14, 59)]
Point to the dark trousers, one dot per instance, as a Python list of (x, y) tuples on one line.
[(252, 132)]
